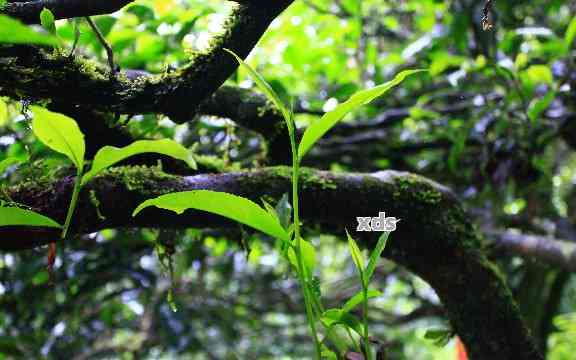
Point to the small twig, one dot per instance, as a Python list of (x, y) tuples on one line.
[(51, 261), (109, 51), (341, 13), (486, 22), (76, 37)]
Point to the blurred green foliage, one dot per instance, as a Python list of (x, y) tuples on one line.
[(494, 121)]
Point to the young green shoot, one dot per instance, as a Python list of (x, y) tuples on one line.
[(62, 134), (304, 274), (299, 252)]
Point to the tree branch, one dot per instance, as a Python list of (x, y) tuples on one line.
[(252, 111), (559, 253), (434, 238), (34, 74), (29, 11)]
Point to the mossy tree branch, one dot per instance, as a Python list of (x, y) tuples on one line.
[(29, 11), (34, 74), (435, 238)]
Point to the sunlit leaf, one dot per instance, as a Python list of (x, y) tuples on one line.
[(315, 131), (333, 317), (328, 354), (537, 74), (110, 155), (375, 256), (230, 206), (271, 210), (48, 21), (171, 302), (356, 254), (284, 210), (60, 133), (11, 216), (538, 106), (3, 112), (570, 33), (357, 299), (308, 257), (13, 31), (6, 163)]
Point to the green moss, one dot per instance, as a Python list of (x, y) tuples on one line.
[(211, 163), (280, 171), (94, 200), (142, 179), (419, 189), (92, 69), (39, 174), (312, 178)]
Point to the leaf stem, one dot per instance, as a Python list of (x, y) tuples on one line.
[(73, 202), (302, 275), (365, 319)]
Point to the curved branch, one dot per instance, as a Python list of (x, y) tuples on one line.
[(435, 238), (252, 111), (29, 72), (29, 11)]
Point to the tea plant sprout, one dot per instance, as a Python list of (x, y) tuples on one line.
[(297, 251)]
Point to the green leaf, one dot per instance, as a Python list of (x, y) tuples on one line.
[(270, 209), (315, 131), (267, 90), (110, 155), (308, 257), (538, 106), (3, 113), (536, 74), (60, 133), (230, 206), (440, 337), (328, 354), (10, 216), (356, 255), (4, 164), (433, 334), (40, 278), (375, 256), (284, 210), (171, 302), (357, 299), (13, 31), (48, 21), (570, 34), (333, 317)]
